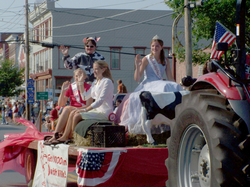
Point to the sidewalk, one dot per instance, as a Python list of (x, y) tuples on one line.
[(14, 124), (9, 123)]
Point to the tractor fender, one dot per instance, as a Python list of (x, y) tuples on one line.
[(220, 82)]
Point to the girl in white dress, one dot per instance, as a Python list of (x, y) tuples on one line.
[(102, 90), (153, 67)]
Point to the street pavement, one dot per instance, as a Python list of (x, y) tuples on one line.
[(14, 128), (11, 178)]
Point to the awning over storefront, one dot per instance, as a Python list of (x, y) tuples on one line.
[(42, 75)]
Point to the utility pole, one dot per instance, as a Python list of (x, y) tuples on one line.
[(174, 36), (188, 39), (240, 37), (27, 105)]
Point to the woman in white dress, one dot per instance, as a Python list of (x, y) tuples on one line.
[(153, 67), (101, 91)]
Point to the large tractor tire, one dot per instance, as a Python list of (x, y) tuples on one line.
[(30, 166), (203, 147)]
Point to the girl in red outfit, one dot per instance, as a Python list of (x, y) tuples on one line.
[(71, 90)]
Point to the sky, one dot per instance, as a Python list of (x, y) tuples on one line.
[(12, 12)]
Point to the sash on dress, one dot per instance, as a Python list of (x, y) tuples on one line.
[(155, 66), (75, 92)]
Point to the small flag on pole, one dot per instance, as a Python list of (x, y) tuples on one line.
[(221, 34)]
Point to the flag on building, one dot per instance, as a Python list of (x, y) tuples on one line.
[(221, 34), (95, 167)]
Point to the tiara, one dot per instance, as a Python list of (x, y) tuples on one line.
[(156, 37)]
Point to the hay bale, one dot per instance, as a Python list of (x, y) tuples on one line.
[(140, 139), (81, 141)]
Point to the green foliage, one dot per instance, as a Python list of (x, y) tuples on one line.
[(11, 77), (199, 57), (204, 19)]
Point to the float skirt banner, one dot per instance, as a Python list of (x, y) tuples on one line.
[(52, 166), (123, 167), (95, 167)]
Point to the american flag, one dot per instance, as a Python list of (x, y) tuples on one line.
[(95, 167), (221, 34)]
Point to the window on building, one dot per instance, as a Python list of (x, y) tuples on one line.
[(40, 86), (46, 29), (59, 83), (36, 34), (50, 84), (167, 53), (42, 31), (140, 50), (49, 27), (166, 50), (46, 62), (59, 59), (115, 57), (36, 62), (49, 62), (41, 64)]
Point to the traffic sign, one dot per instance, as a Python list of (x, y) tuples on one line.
[(30, 95), (30, 89), (30, 100), (41, 95), (30, 83)]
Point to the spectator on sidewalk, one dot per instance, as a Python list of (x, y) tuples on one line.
[(36, 108), (32, 119), (22, 110), (47, 124), (121, 88), (3, 114), (6, 113), (49, 105), (9, 115), (54, 114), (19, 108), (15, 112)]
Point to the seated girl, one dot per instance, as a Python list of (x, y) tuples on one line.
[(71, 90), (101, 91)]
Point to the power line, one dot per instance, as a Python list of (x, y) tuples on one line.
[(8, 7), (101, 18), (117, 28), (116, 4), (122, 27), (12, 8), (16, 24), (97, 18), (16, 21)]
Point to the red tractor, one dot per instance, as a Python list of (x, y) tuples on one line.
[(210, 135)]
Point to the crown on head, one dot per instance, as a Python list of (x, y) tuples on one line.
[(156, 37)]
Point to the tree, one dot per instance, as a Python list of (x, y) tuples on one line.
[(204, 19), (11, 77)]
